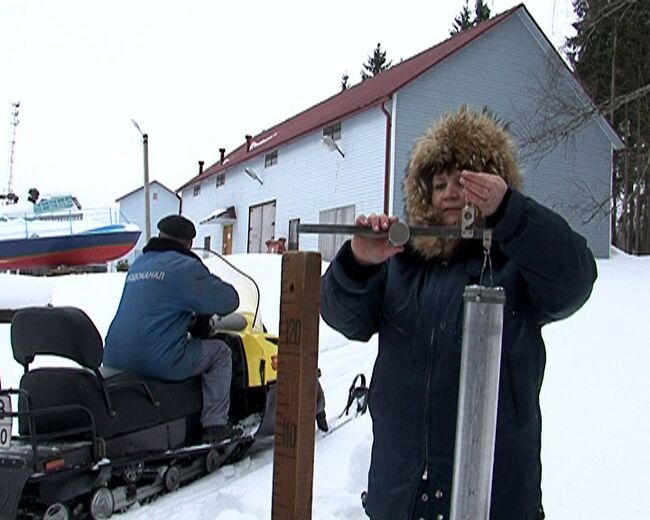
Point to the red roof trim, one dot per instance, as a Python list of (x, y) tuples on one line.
[(357, 98)]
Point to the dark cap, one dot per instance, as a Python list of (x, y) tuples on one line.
[(178, 227)]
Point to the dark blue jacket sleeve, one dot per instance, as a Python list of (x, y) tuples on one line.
[(206, 293), (352, 295), (558, 268)]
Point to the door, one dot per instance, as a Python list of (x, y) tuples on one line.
[(293, 244), (207, 242), (226, 242), (261, 226)]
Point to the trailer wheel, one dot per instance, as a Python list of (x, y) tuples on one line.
[(212, 461), (172, 478), (102, 504), (57, 511)]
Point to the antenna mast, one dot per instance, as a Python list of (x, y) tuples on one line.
[(14, 122)]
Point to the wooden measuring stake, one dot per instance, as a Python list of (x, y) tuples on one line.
[(293, 456)]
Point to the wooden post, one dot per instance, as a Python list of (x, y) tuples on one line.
[(293, 457)]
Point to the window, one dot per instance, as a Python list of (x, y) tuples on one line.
[(333, 131), (293, 244), (270, 159), (221, 179), (155, 195), (196, 191)]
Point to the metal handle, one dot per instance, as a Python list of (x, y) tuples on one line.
[(399, 233)]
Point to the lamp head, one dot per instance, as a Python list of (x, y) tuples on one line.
[(251, 173), (137, 127), (332, 144)]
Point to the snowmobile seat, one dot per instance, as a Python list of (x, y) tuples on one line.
[(119, 402), (59, 331)]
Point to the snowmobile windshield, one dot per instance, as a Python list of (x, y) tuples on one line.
[(249, 294)]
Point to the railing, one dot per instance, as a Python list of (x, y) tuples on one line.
[(63, 223)]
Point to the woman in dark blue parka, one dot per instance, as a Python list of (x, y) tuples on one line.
[(412, 296)]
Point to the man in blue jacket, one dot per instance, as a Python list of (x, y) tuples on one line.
[(164, 288), (412, 296)]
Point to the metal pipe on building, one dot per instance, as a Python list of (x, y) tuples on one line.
[(477, 402), (387, 186)]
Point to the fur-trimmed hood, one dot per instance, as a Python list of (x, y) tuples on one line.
[(465, 140)]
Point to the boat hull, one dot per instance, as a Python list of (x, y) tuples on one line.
[(93, 247)]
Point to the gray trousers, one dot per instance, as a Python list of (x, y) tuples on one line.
[(215, 368)]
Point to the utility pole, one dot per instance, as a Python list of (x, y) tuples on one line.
[(147, 204)]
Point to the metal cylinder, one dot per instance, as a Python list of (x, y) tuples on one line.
[(478, 395)]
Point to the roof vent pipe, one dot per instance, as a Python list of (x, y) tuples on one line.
[(222, 152), (201, 167), (249, 140)]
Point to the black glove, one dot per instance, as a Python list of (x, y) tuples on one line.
[(200, 326)]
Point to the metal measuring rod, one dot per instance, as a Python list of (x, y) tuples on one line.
[(399, 233)]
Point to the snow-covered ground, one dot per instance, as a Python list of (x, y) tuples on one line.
[(595, 403)]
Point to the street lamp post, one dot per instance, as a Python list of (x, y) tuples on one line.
[(147, 206)]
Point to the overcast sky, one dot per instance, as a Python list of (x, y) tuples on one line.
[(196, 75)]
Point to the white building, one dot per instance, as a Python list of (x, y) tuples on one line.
[(162, 202), (348, 154)]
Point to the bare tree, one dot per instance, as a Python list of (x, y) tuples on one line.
[(610, 58)]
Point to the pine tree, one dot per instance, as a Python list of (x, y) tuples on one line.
[(375, 63), (344, 81), (481, 12), (465, 20)]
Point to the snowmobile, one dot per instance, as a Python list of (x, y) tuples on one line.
[(93, 440)]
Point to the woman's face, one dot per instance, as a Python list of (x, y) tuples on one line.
[(447, 197)]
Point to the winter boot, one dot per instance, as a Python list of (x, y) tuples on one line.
[(321, 421), (222, 433)]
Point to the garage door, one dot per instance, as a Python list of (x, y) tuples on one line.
[(261, 226)]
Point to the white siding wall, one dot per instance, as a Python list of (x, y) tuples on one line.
[(499, 70), (132, 207), (307, 178)]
